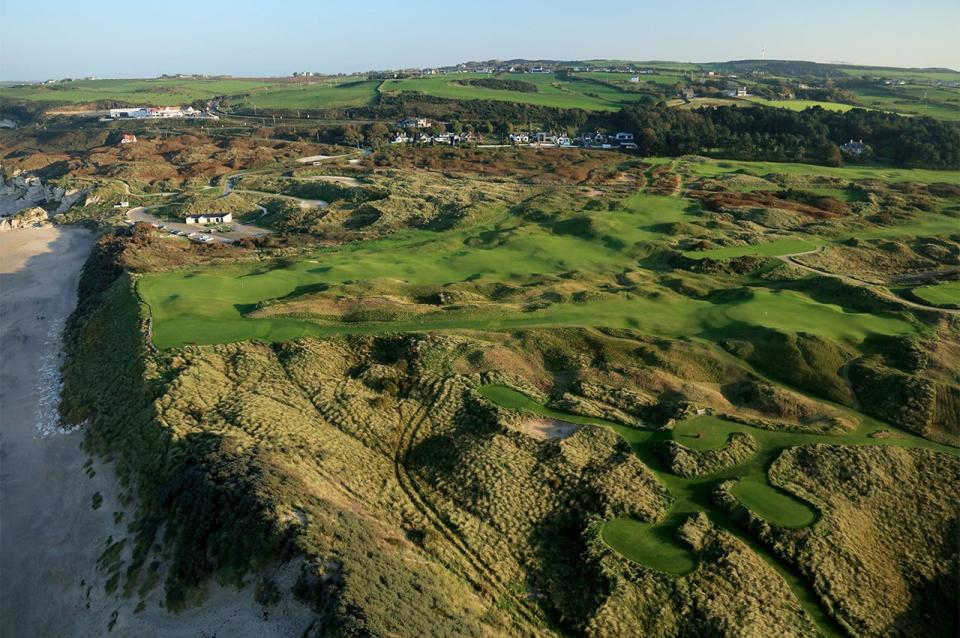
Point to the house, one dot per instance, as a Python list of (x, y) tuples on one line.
[(597, 139), (544, 138), (624, 137), (401, 138), (740, 91), (853, 148), (122, 204), (635, 79), (519, 138), (564, 140), (209, 218), (415, 122), (138, 112), (688, 93), (128, 138)]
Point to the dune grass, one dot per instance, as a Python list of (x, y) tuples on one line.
[(768, 249), (654, 543)]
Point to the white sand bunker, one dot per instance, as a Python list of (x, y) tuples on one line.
[(548, 429)]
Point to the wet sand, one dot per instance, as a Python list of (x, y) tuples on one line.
[(50, 533)]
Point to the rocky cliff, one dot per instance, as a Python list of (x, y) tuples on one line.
[(35, 216)]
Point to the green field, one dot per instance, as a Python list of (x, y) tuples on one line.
[(918, 75), (550, 90), (165, 92), (800, 105), (311, 96), (910, 101), (943, 294)]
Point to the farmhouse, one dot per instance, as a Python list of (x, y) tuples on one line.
[(128, 138), (853, 148), (414, 122), (209, 218)]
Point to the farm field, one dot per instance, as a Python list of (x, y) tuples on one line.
[(799, 105), (912, 101), (159, 92), (311, 96), (550, 90)]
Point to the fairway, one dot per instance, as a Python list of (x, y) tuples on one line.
[(773, 505), (944, 294), (208, 306), (655, 544)]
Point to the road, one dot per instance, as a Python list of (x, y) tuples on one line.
[(879, 289)]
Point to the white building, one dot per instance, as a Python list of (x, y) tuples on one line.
[(209, 218), (414, 122)]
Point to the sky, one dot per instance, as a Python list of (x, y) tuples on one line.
[(64, 38)]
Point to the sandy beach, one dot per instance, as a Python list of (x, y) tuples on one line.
[(50, 534)]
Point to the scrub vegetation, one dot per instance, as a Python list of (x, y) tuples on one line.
[(509, 391), (541, 401)]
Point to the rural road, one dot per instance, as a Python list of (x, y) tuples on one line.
[(880, 290), (50, 534)]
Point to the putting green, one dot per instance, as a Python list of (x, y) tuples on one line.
[(651, 544)]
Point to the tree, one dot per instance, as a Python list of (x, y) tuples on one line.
[(376, 132), (351, 135)]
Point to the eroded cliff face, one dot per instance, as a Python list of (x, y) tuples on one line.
[(23, 191), (30, 217)]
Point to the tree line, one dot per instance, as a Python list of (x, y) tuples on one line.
[(812, 135)]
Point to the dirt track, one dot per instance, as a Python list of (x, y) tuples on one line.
[(50, 534)]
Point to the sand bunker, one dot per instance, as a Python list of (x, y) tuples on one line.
[(548, 429)]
